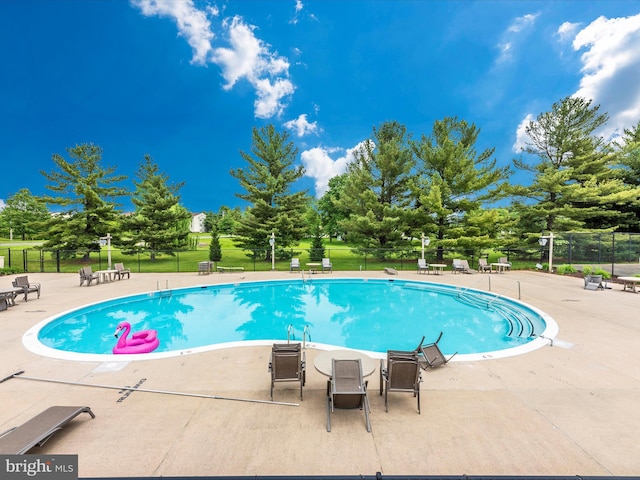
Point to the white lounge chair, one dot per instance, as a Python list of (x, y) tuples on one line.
[(294, 266), (483, 266), (423, 266), (326, 265)]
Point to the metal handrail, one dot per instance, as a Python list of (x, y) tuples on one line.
[(290, 332), (305, 333), (463, 290), (504, 290)]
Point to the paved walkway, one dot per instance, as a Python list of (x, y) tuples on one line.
[(566, 409)]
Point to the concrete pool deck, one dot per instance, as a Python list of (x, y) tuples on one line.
[(566, 409)]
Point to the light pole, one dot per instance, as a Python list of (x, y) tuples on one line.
[(425, 243), (543, 241), (272, 242), (108, 239)]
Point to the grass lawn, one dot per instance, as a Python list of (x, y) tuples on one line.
[(342, 256)]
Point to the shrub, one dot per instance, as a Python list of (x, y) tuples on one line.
[(599, 271), (587, 270), (566, 269)]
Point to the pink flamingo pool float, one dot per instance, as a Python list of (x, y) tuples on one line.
[(144, 341)]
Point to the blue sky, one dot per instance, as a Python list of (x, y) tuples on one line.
[(186, 81)]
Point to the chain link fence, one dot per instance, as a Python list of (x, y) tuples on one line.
[(618, 253)]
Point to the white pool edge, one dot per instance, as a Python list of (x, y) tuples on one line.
[(30, 338)]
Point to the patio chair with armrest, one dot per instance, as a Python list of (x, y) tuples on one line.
[(505, 261), (593, 282), (483, 266), (326, 265), (432, 356), (121, 271), (87, 275), (423, 266), (400, 374), (346, 389), (26, 286), (287, 364), (294, 266)]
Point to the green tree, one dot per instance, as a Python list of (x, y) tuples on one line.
[(224, 221), (329, 207), (316, 252), (575, 186), (453, 183), (628, 158), (376, 191), (159, 223), (86, 194), (215, 250), (24, 216), (267, 181)]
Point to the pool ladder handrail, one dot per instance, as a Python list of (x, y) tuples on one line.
[(463, 291), (166, 291), (506, 312), (505, 289), (291, 335)]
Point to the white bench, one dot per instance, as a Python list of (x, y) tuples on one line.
[(230, 269), (629, 283)]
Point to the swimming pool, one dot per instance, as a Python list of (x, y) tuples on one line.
[(372, 315)]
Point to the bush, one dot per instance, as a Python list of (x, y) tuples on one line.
[(566, 269), (587, 270), (599, 271)]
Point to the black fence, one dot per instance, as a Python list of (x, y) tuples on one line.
[(613, 251)]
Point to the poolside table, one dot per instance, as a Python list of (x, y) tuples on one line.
[(500, 267), (438, 268), (106, 275), (323, 364), (313, 267), (10, 295), (629, 283)]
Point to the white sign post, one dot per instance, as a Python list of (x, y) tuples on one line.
[(108, 240), (272, 242)]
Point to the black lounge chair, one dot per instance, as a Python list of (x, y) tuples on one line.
[(400, 374), (26, 286), (346, 389), (432, 356), (287, 364), (39, 429)]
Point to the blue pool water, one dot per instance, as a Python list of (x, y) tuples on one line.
[(364, 314)]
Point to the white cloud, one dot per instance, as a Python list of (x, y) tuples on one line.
[(567, 31), (320, 166), (192, 23), (247, 57), (512, 35), (520, 23), (521, 135), (301, 126), (610, 66)]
